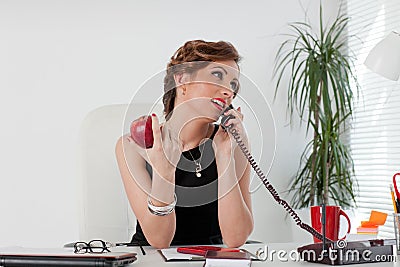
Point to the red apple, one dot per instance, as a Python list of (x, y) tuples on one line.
[(142, 132)]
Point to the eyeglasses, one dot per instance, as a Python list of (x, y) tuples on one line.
[(94, 246)]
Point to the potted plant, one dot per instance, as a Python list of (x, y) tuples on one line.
[(320, 90)]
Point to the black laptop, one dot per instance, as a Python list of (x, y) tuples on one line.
[(12, 257)]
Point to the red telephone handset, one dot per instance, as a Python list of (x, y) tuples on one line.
[(142, 132)]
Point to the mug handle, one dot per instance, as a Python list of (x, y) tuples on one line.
[(348, 221)]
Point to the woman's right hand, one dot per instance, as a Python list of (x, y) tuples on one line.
[(165, 153)]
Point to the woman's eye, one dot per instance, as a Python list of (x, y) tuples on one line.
[(218, 74)]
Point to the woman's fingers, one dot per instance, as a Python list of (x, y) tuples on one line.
[(237, 117), (233, 122), (155, 125), (170, 145), (234, 112)]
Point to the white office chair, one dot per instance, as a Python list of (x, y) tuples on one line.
[(105, 210)]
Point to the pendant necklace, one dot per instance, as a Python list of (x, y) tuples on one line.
[(198, 168)]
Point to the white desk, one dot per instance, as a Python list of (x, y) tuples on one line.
[(154, 258)]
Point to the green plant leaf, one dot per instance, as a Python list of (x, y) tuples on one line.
[(320, 87)]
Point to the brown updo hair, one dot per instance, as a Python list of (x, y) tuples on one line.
[(193, 51)]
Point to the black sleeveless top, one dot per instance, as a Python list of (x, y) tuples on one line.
[(197, 199)]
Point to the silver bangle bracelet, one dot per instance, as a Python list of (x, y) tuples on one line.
[(161, 211)]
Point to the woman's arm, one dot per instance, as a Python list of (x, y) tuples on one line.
[(234, 201), (234, 204), (159, 230)]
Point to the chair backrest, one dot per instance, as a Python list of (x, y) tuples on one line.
[(104, 208)]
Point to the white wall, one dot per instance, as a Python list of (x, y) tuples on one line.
[(61, 59)]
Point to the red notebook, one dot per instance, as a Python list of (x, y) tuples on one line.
[(227, 258), (202, 250)]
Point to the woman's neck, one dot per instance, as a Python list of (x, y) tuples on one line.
[(191, 131)]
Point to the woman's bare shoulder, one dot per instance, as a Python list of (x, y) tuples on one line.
[(126, 146)]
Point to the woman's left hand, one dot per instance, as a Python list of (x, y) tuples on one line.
[(224, 141)]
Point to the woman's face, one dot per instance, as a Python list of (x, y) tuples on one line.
[(211, 89)]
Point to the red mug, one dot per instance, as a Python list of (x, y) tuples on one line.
[(332, 221)]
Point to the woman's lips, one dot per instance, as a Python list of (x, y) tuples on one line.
[(217, 106), (219, 103)]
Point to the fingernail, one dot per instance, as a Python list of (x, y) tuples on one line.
[(153, 114)]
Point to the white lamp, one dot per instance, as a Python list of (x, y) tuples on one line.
[(384, 58)]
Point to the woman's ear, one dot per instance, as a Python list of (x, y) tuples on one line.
[(181, 79)]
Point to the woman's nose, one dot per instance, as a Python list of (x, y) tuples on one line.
[(227, 92)]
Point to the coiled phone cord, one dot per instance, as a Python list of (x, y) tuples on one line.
[(268, 185)]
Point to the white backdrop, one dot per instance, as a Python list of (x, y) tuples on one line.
[(61, 59)]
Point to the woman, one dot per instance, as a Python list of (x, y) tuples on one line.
[(192, 186)]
